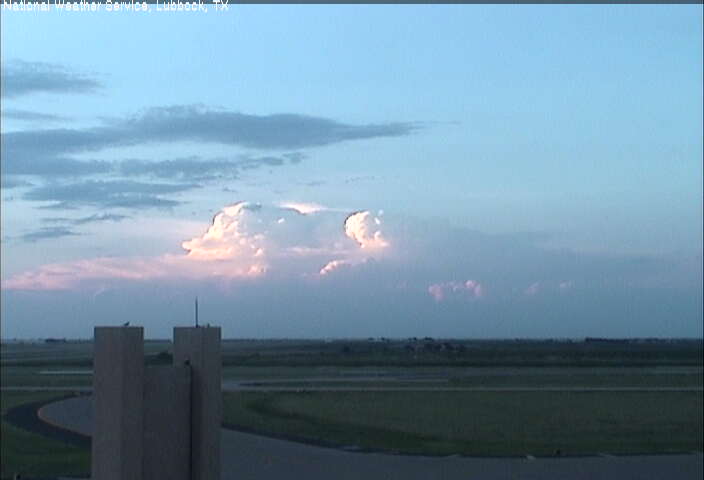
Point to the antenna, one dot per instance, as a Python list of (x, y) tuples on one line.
[(196, 311)]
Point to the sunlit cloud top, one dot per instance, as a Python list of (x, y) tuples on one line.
[(244, 240)]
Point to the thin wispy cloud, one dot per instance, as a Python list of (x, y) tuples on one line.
[(57, 167), (30, 116), (198, 169), (108, 194), (96, 218), (47, 233), (303, 208)]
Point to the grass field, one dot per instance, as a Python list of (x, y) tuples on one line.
[(33, 455), (427, 422), (483, 423), (412, 352)]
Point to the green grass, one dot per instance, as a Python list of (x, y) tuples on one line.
[(484, 423), (34, 455), (582, 380), (499, 381), (31, 377)]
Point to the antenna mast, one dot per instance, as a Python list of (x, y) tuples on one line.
[(196, 311)]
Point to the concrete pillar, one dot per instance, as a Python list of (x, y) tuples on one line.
[(200, 347), (167, 423), (118, 380)]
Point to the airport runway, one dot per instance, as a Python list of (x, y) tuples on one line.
[(248, 456)]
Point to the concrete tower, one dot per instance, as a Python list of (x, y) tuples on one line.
[(199, 347), (160, 422), (118, 403)]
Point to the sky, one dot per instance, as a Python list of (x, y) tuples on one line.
[(353, 171)]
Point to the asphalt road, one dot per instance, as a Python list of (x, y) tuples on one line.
[(247, 456)]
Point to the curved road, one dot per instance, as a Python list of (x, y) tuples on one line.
[(247, 456)]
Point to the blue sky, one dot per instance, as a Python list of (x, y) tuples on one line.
[(527, 171)]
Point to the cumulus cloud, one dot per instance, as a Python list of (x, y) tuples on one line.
[(243, 240), (363, 228), (471, 289), (23, 78), (226, 238)]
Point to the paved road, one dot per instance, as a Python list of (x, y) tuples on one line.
[(246, 456)]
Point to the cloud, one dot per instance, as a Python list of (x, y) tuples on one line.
[(29, 116), (303, 208), (98, 217), (547, 287), (314, 183), (533, 289), (275, 131), (195, 168), (47, 233), (65, 230), (243, 241), (333, 265), (360, 178), (64, 276), (13, 182), (191, 168), (107, 194), (182, 168), (430, 279), (191, 123), (363, 228), (227, 238), (57, 167), (471, 289), (23, 78)]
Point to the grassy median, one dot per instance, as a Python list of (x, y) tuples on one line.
[(33, 455), (479, 423)]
